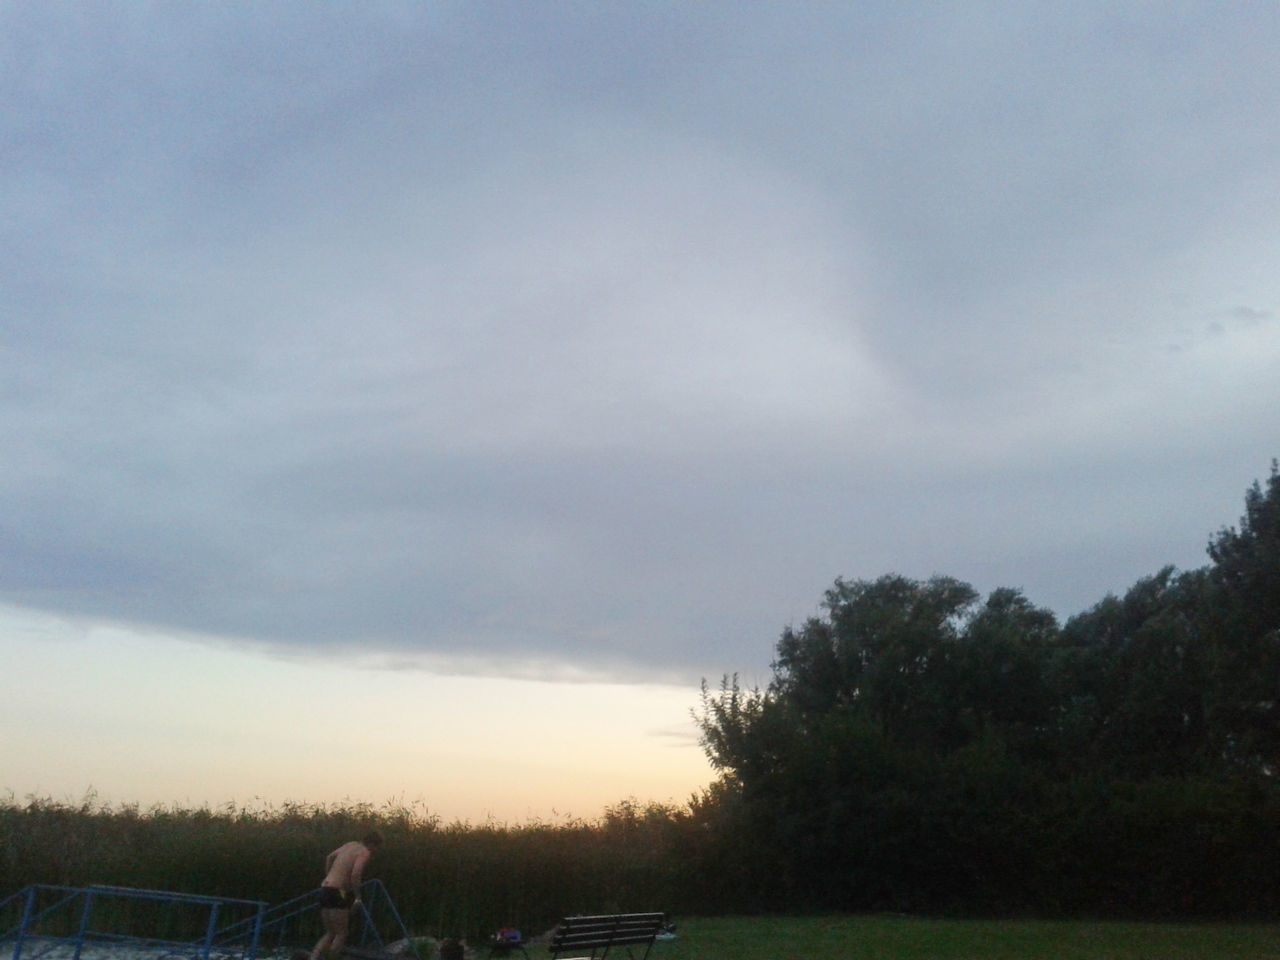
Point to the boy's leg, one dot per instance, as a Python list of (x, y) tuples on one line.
[(335, 934)]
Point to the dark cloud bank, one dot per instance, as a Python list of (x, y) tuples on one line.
[(507, 338)]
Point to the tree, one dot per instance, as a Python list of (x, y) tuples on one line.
[(1246, 562), (1243, 616), (883, 647), (852, 765), (1132, 679), (999, 676)]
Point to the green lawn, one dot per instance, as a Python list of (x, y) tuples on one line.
[(901, 938)]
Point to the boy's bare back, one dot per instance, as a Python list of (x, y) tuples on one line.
[(345, 866)]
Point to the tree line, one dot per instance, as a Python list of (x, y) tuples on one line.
[(923, 748)]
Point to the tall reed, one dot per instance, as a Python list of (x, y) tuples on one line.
[(454, 878)]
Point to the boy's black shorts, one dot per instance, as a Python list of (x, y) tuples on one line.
[(334, 898)]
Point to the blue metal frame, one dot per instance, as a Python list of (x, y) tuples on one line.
[(238, 939), (28, 945)]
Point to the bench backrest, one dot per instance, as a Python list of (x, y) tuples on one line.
[(583, 936)]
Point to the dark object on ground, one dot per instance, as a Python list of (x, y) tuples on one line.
[(584, 936), (504, 941), (452, 949)]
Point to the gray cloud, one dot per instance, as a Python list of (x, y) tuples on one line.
[(580, 339)]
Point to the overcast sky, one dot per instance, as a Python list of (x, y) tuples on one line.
[(595, 340)]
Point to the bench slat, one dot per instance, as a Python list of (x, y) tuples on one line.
[(602, 931)]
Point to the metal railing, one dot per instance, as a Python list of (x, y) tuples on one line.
[(58, 923), (55, 920)]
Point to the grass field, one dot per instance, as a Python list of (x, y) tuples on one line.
[(901, 938)]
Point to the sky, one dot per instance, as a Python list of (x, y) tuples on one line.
[(415, 402)]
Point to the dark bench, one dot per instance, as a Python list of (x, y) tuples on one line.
[(582, 937)]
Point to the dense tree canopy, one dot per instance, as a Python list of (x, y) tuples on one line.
[(922, 747)]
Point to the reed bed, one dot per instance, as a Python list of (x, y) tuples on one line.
[(467, 880), (458, 878)]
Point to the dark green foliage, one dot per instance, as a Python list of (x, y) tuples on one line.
[(1138, 667), (1244, 617), (922, 749), (1247, 561)]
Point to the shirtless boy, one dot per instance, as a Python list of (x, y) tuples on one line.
[(340, 891)]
